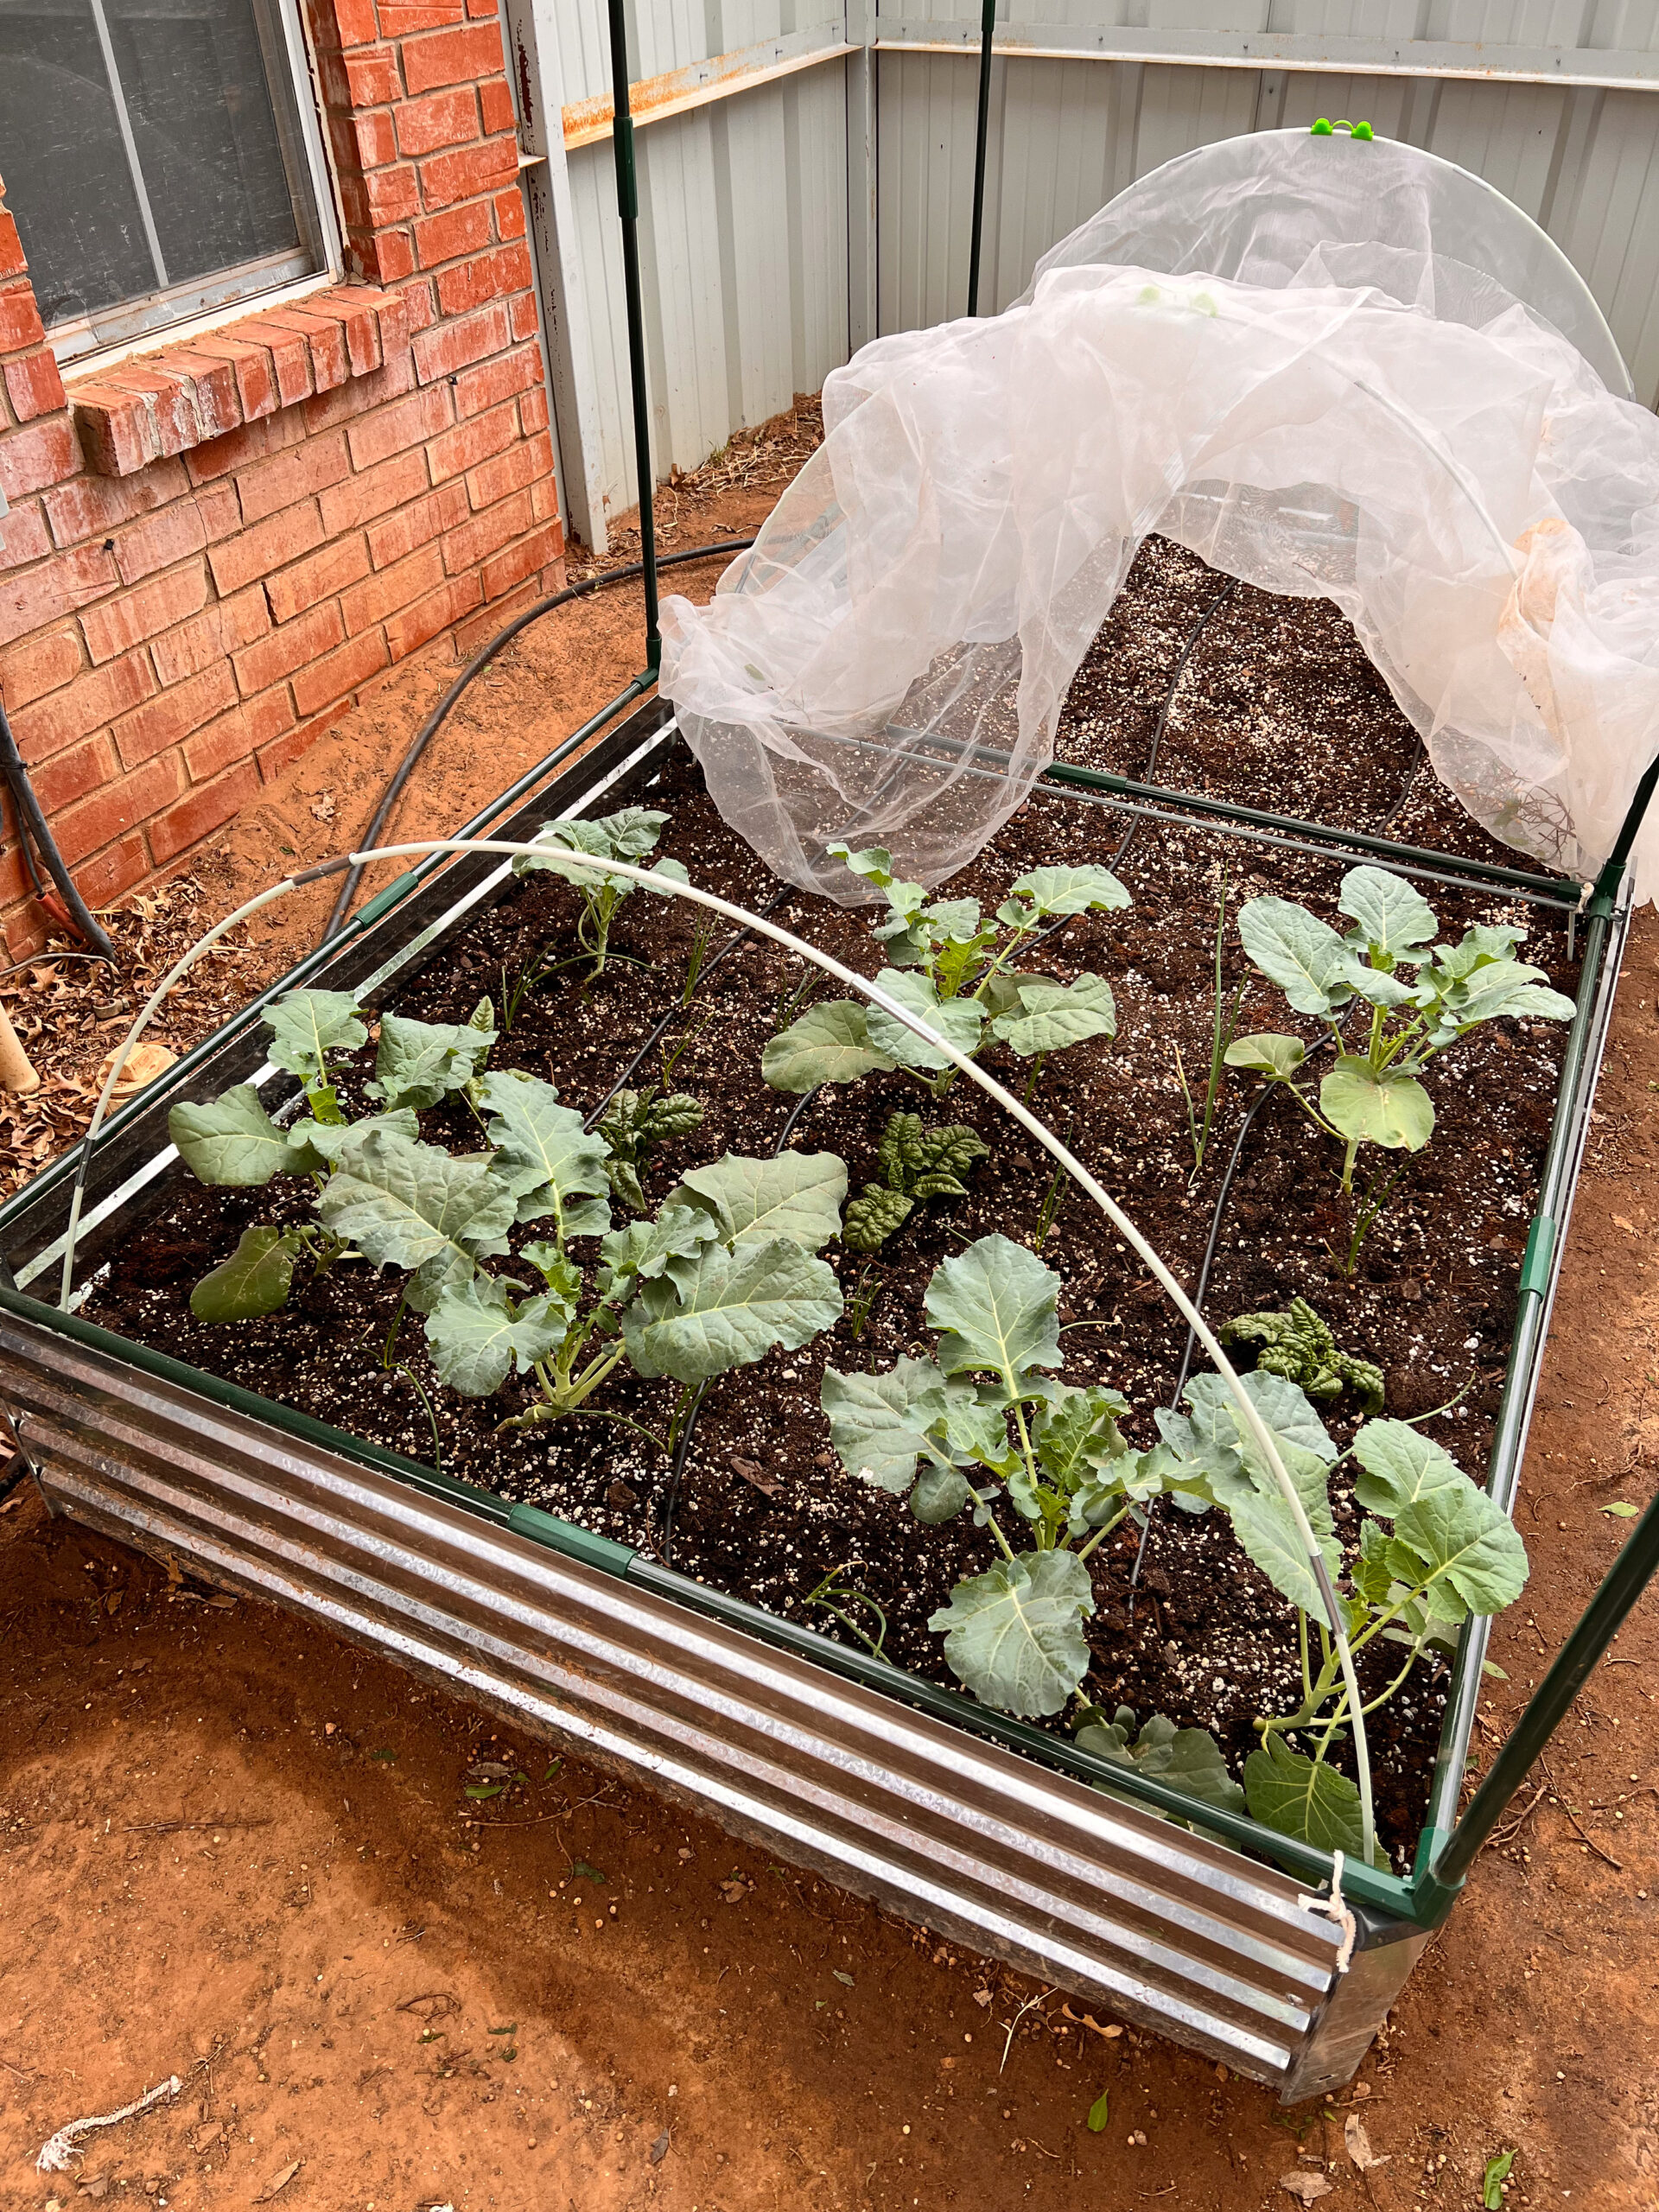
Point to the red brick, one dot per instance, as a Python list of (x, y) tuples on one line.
[(260, 551), (186, 823), (117, 624), (332, 677), (291, 355), (259, 667), (544, 497), (441, 120), (115, 429), (34, 387), (292, 590), (460, 230), (219, 509), (421, 306), (488, 277), (92, 506), (212, 385), (375, 142), (77, 709), (451, 346), (101, 880), (510, 471), (533, 410), (416, 523), (406, 423), (20, 319), (359, 395), (477, 388), (23, 536), (497, 102), (169, 534), (524, 316), (392, 589), (468, 172), (386, 307), (121, 807), (285, 751), (218, 629), (72, 774), (32, 458), (401, 18), (352, 22), (236, 449), (171, 715), (272, 485), (234, 737), (464, 446), (12, 263), (252, 366), (168, 405), (371, 77), (359, 327), (394, 256), (459, 57), (29, 671), (407, 631), (33, 597), (329, 365), (391, 196), (509, 215), (376, 492), (488, 533)]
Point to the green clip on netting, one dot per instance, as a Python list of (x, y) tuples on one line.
[(1325, 129)]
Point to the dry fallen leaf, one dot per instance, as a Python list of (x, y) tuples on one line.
[(1306, 2189), (734, 1892), (144, 1064), (1359, 2145), (277, 2181)]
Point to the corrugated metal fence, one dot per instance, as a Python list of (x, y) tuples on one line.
[(806, 166)]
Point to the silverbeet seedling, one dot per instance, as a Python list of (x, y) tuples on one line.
[(1299, 1344), (952, 965), (916, 1163), (633, 1125)]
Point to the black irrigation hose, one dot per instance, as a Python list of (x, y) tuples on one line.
[(1217, 599), (479, 661), (31, 824)]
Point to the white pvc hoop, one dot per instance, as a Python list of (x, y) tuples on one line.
[(1261, 1435)]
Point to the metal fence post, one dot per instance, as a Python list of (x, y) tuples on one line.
[(627, 208)]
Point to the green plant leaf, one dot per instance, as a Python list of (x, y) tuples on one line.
[(1014, 1635), (875, 864), (305, 1025), (995, 1307), (1275, 1056), (940, 1494), (1054, 1015), (1282, 1404), (1502, 989), (1072, 890), (644, 1248), (1400, 1464), (1266, 1528), (543, 1154), (830, 1043), (418, 1063), (333, 1139), (958, 1021), (797, 1194), (1459, 1545), (628, 835), (1492, 2181), (1394, 915), (1075, 1435), (1394, 1111), (1304, 956), (879, 1423), (255, 1280), (233, 1142), (873, 1216), (1622, 1509), (1100, 2113), (718, 1309), (1289, 1793), (1187, 1758), (476, 1330), (413, 1206)]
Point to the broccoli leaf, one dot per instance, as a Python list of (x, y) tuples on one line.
[(477, 1330), (1389, 1109), (255, 1280), (796, 1194), (413, 1206), (1304, 956), (879, 1424), (232, 1142), (1014, 1635), (830, 1043), (996, 1306), (543, 1154), (418, 1063), (1393, 915), (1053, 1015), (1294, 1796), (957, 1021), (305, 1025), (718, 1309)]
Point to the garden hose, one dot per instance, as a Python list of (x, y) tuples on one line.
[(479, 661), (1247, 1410), (31, 824)]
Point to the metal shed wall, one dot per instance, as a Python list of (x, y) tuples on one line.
[(806, 167)]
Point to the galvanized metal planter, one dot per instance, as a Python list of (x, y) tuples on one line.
[(985, 1829)]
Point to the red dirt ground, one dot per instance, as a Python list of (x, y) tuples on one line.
[(237, 1850)]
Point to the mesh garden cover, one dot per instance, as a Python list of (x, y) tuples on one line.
[(1330, 368)]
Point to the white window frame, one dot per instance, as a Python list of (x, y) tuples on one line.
[(89, 341)]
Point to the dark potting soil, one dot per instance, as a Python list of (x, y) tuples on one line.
[(764, 1509)]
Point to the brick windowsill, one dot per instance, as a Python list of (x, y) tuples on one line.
[(165, 402)]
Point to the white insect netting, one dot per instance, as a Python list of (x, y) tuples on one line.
[(1330, 367)]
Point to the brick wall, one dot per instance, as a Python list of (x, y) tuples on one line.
[(214, 548)]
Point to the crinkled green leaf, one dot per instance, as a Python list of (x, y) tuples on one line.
[(477, 1330), (1053, 1015), (795, 1194), (830, 1043), (543, 1154), (873, 1216), (1289, 1793), (1185, 1758), (418, 1063), (305, 1025), (1014, 1635), (1389, 1110), (1394, 915), (1276, 1057), (718, 1309), (957, 1021), (1483, 942), (232, 1142), (1304, 956), (879, 1423), (413, 1206), (996, 1306), (1075, 1433), (1072, 890), (255, 1280), (1299, 1344)]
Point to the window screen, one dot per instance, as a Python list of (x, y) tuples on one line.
[(152, 150)]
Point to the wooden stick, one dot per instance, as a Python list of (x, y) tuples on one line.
[(15, 1071)]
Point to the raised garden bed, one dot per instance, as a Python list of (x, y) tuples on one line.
[(754, 1510)]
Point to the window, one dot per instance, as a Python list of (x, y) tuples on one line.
[(157, 161)]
